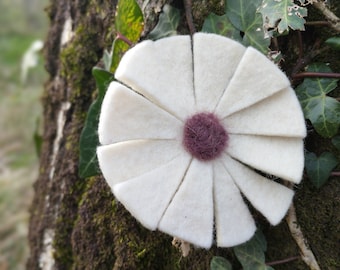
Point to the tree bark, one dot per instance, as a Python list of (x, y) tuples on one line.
[(76, 223)]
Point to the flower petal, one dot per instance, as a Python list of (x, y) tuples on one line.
[(278, 115), (161, 71), (125, 160), (280, 156), (147, 196), (127, 115), (190, 214), (215, 61), (255, 79), (233, 221), (268, 197)]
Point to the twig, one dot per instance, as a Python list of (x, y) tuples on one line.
[(330, 16), (335, 173), (283, 261), (300, 45), (316, 74), (318, 23), (303, 62), (296, 232), (188, 15)]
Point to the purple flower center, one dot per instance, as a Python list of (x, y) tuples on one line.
[(204, 136)]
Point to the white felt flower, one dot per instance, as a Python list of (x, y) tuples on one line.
[(187, 132)]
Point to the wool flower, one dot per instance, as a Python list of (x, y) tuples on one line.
[(191, 131)]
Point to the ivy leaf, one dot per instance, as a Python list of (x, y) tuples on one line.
[(319, 168), (220, 25), (129, 23), (107, 59), (336, 141), (167, 23), (129, 20), (282, 15), (243, 15), (88, 162), (333, 42), (119, 47), (220, 263), (251, 254), (323, 111)]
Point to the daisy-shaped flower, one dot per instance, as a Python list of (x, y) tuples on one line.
[(190, 130)]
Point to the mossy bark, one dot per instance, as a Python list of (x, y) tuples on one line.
[(76, 223)]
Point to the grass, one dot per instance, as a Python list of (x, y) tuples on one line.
[(19, 110)]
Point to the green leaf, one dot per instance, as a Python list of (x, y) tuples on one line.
[(88, 162), (167, 23), (220, 263), (251, 254), (243, 15), (119, 47), (107, 59), (220, 25), (323, 111), (129, 20), (333, 42), (336, 141), (282, 15), (319, 168), (103, 79), (129, 23)]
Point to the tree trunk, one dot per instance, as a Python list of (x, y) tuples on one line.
[(76, 223)]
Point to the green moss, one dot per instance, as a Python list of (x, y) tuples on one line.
[(82, 231), (92, 237), (319, 217)]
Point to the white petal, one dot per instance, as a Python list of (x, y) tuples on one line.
[(233, 221), (125, 160), (147, 196), (215, 61), (278, 115), (255, 78), (268, 197), (280, 156), (190, 214), (126, 115), (161, 71)]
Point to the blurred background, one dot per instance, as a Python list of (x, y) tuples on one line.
[(23, 27)]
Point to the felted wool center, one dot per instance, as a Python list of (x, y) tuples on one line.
[(204, 136)]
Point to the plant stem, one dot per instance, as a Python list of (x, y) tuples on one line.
[(188, 15), (300, 46), (335, 173), (303, 61), (316, 74), (330, 16), (124, 38), (283, 261), (318, 23)]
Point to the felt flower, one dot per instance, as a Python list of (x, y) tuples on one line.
[(190, 132)]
